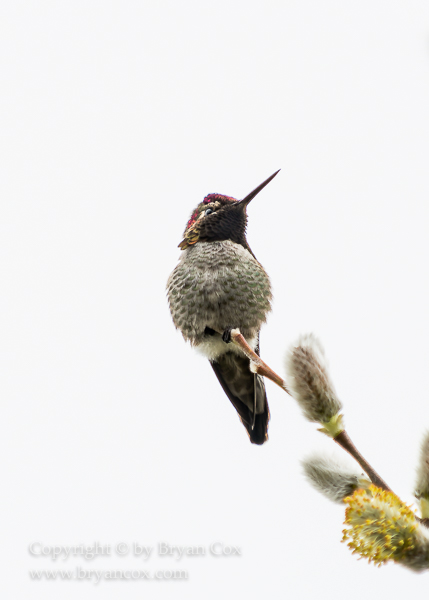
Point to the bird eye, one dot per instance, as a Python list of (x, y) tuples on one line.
[(208, 211)]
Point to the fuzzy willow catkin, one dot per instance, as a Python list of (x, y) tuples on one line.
[(333, 479), (309, 381)]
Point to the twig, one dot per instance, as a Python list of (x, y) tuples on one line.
[(257, 365), (345, 442)]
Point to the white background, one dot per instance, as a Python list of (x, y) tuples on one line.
[(117, 118)]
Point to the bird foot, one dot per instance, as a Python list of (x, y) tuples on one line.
[(226, 335)]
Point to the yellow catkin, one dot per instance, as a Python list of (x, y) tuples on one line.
[(380, 527)]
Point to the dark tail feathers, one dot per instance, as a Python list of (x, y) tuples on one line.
[(239, 383)]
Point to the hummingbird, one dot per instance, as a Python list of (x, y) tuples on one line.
[(219, 285)]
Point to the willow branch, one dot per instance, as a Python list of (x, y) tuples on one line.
[(258, 366)]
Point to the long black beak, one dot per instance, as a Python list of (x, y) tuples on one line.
[(256, 191)]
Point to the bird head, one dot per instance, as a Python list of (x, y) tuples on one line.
[(220, 217)]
